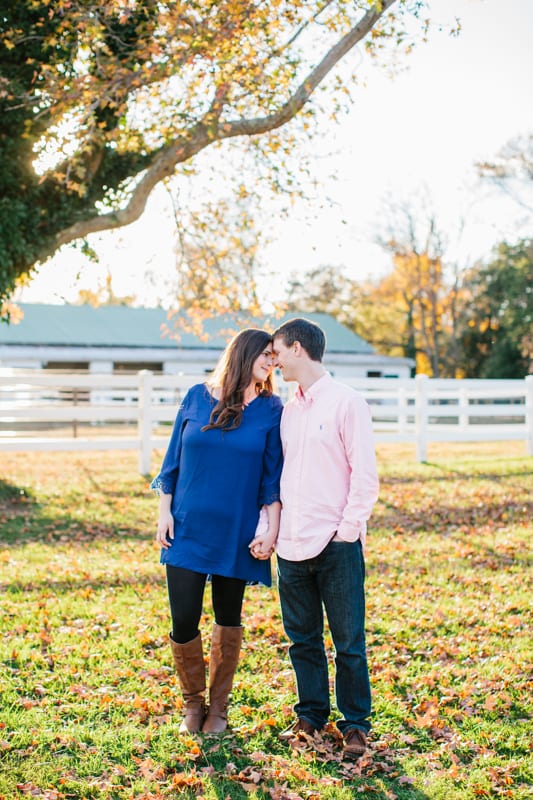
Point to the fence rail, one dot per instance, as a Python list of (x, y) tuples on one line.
[(44, 411)]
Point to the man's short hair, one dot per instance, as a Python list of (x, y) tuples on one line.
[(310, 336)]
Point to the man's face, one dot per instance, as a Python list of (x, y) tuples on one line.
[(285, 358)]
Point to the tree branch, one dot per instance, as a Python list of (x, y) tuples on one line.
[(210, 129), (300, 97), (162, 166), (302, 28)]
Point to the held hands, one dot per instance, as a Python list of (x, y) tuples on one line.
[(262, 546)]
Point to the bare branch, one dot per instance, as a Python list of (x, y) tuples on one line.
[(302, 28)]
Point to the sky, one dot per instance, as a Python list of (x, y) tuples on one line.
[(416, 137)]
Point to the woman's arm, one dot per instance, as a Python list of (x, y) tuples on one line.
[(262, 545), (165, 481), (165, 523)]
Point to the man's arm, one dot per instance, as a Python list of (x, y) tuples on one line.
[(358, 440)]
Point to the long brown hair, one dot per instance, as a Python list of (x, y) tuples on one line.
[(233, 375)]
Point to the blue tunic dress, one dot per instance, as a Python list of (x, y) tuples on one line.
[(218, 481)]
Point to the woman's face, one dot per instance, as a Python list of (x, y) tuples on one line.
[(263, 364)]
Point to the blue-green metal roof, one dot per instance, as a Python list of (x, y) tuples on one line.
[(124, 326)]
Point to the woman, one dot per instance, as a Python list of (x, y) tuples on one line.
[(222, 465)]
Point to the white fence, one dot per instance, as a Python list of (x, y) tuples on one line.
[(129, 411)]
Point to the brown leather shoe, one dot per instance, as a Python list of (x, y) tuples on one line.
[(354, 743), (300, 726)]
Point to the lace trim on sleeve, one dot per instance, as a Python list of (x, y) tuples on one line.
[(158, 486), (271, 497)]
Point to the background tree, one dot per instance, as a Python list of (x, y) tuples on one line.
[(218, 266), (512, 170), (105, 295), (373, 308), (454, 322), (496, 337), (411, 311), (483, 316), (112, 96), (416, 286), (325, 289)]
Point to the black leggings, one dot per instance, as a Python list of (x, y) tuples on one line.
[(186, 595)]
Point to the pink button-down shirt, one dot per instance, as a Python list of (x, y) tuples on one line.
[(329, 482)]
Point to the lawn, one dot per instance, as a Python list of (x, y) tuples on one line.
[(89, 701)]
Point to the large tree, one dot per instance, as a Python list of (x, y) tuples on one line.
[(416, 287), (112, 96), (411, 311), (477, 323), (496, 314)]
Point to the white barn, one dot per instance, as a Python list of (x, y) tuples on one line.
[(114, 339)]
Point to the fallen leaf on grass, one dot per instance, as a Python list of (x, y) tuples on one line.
[(283, 793), (34, 791), (405, 780), (189, 780), (149, 770)]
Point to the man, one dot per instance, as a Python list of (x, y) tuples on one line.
[(329, 485)]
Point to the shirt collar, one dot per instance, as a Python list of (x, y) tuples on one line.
[(316, 388)]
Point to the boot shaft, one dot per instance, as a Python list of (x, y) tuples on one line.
[(190, 667), (225, 651)]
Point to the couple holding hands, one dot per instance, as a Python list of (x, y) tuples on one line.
[(244, 477)]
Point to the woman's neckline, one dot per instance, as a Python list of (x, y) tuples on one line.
[(215, 399)]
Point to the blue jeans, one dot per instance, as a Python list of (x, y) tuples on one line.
[(333, 579)]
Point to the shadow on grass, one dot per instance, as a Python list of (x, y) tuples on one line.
[(15, 501), (495, 557), (136, 582), (452, 475), (11, 493), (105, 490), (448, 519), (236, 765), (24, 521)]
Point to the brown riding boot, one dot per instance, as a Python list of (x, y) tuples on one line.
[(225, 649), (190, 666)]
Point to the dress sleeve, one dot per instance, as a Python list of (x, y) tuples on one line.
[(272, 461), (166, 480)]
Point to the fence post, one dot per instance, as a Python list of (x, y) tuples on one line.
[(144, 424), (421, 416), (529, 415), (463, 409), (402, 409)]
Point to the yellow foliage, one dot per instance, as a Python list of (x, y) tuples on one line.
[(187, 63), (12, 312)]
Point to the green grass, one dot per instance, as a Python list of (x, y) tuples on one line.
[(89, 701)]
